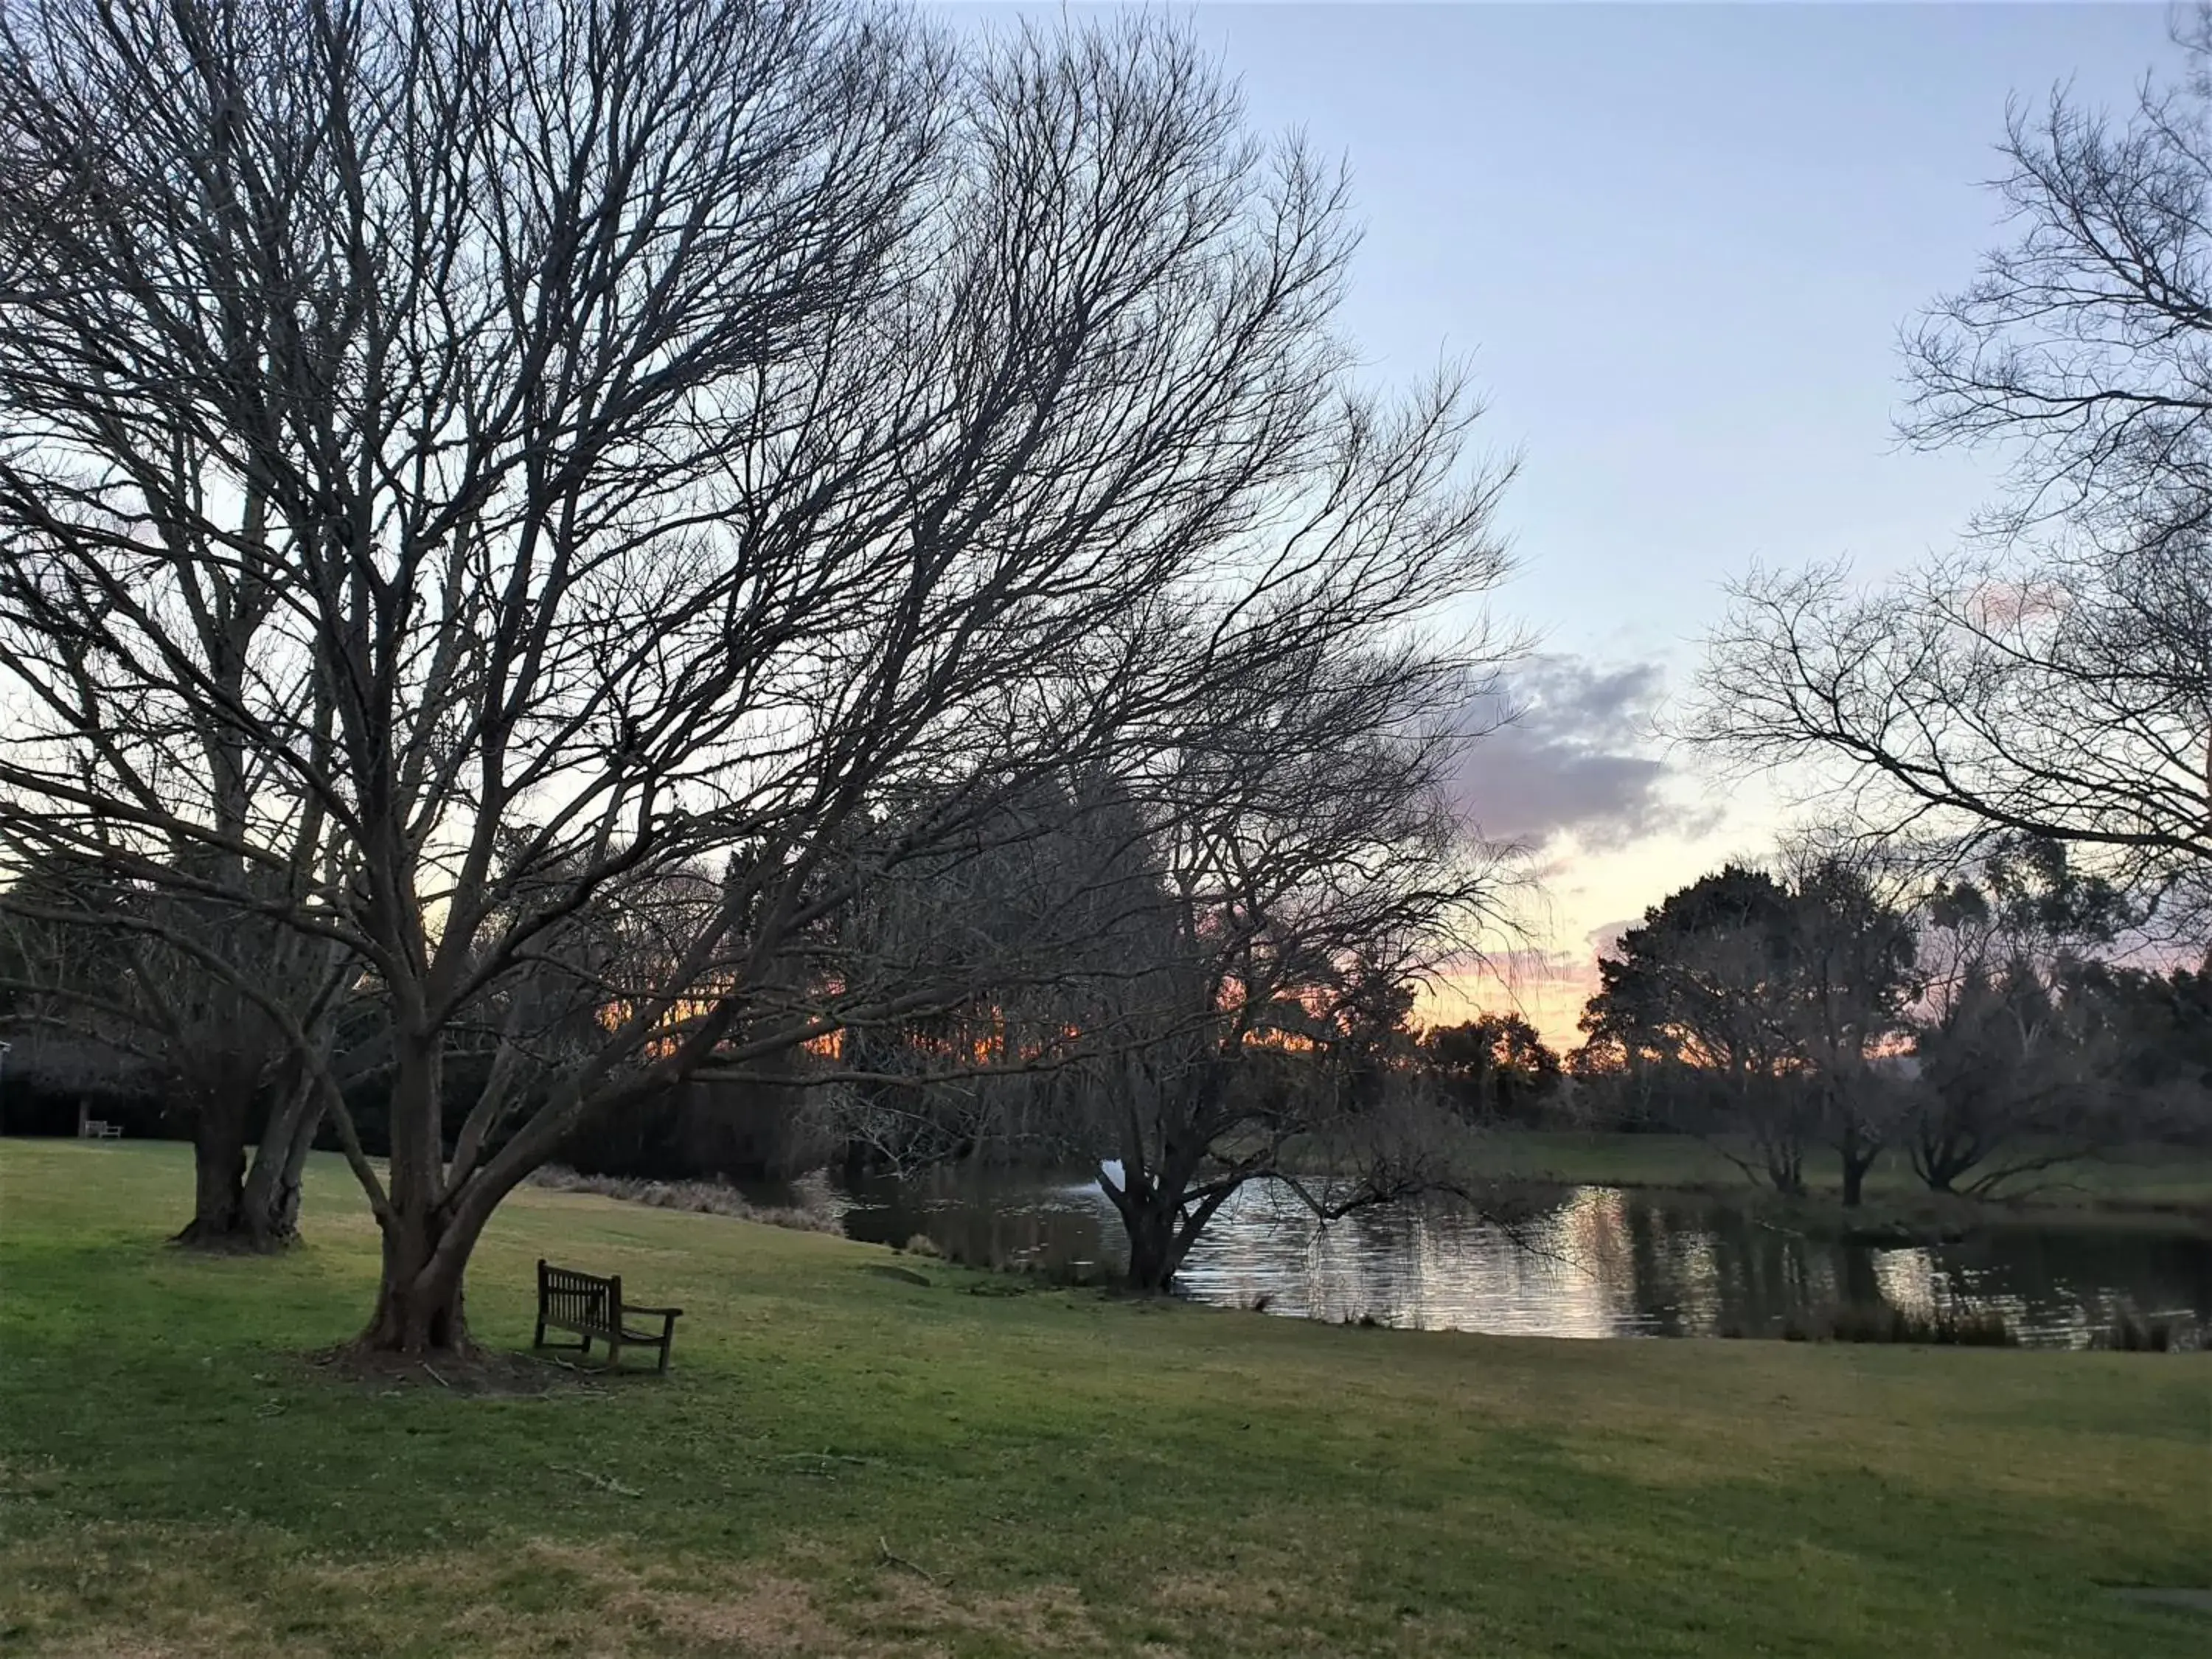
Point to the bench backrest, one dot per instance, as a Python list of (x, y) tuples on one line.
[(579, 1300)]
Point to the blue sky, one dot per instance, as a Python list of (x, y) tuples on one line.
[(1678, 242)]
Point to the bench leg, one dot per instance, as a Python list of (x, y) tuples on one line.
[(538, 1340), (614, 1353)]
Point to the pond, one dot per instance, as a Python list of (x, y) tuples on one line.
[(1577, 1261)]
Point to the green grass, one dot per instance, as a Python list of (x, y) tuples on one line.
[(846, 1462), (2135, 1180)]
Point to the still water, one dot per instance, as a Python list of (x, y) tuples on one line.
[(1580, 1261)]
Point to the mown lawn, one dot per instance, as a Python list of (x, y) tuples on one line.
[(847, 1462)]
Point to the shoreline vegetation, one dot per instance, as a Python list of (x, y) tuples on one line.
[(849, 1461), (2155, 1186), (698, 1197), (2143, 1188), (2151, 1187)]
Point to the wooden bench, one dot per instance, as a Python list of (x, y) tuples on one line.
[(93, 1129), (592, 1307)]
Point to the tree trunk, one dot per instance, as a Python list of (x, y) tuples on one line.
[(284, 1202), (1785, 1167), (428, 1232), (1150, 1207), (234, 1209), (1153, 1253), (418, 1301), (219, 1217), (272, 1187), (1939, 1159), (1855, 1171)]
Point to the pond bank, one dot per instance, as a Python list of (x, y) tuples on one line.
[(1582, 1261)]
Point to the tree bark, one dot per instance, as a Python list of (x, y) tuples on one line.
[(1785, 1167), (419, 1304), (1941, 1155), (219, 1218), (235, 1208), (1153, 1253), (428, 1232), (419, 1300), (1150, 1207), (1856, 1147), (272, 1187), (1855, 1171)]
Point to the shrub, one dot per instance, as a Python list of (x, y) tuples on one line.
[(2132, 1332), (1946, 1327), (702, 1197), (1069, 1275)]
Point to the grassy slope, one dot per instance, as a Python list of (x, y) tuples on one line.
[(1076, 1474), (2133, 1179)]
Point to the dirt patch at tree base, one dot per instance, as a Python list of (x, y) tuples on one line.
[(487, 1373)]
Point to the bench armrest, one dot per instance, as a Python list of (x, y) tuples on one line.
[(673, 1313)]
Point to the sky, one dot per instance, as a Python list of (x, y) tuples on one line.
[(1676, 243)]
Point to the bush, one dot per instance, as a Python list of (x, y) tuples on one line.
[(1880, 1322), (1070, 1275), (704, 1197), (2131, 1333)]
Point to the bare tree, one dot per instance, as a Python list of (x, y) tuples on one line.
[(1312, 872), (2081, 344), (2057, 680), (2060, 697), (182, 994), (1199, 974), (662, 433)]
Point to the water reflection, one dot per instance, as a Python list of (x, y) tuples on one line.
[(1585, 1262)]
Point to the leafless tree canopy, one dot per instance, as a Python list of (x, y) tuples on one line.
[(192, 1000), (1198, 977), (2055, 680), (2082, 343), (508, 490), (2051, 695), (1310, 875)]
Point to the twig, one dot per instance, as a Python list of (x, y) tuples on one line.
[(891, 1560), (603, 1482), (434, 1377)]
